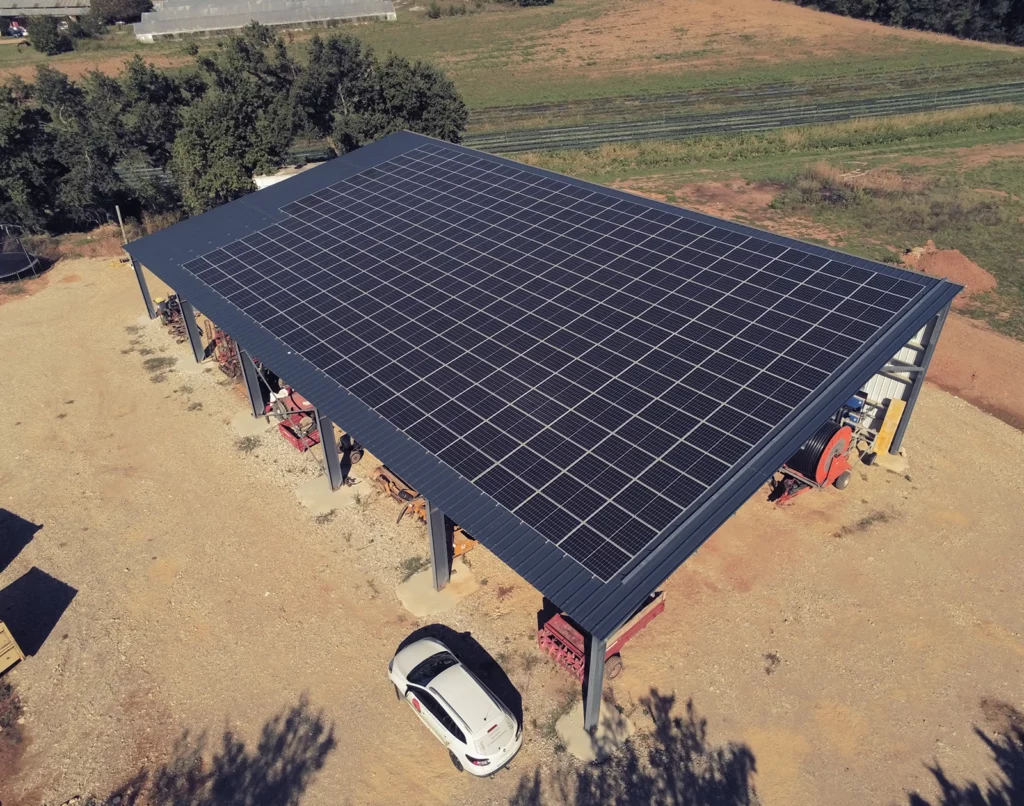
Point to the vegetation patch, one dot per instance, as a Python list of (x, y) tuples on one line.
[(325, 518), (411, 566), (160, 363), (949, 209), (865, 523), (247, 444), (616, 162)]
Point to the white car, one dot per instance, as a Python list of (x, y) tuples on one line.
[(480, 733)]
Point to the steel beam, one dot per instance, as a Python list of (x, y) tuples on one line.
[(330, 446), (195, 336), (917, 379), (593, 683), (441, 532), (144, 288), (252, 381)]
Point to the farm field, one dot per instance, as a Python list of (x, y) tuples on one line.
[(951, 177), (584, 50)]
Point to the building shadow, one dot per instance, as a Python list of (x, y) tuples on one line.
[(32, 605), (1003, 789), (478, 660), (674, 766), (293, 746), (15, 534)]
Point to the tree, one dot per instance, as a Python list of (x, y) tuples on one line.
[(153, 103), (338, 79), (111, 11), (85, 144), (241, 124), (400, 95), (45, 35), (26, 150)]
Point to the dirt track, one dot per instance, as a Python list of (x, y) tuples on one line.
[(844, 643)]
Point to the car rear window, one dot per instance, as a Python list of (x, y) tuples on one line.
[(430, 668)]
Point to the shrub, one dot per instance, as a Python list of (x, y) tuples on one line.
[(434, 10), (456, 10), (86, 27), (44, 35)]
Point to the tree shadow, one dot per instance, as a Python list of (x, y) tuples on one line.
[(1004, 789), (674, 766), (32, 605), (293, 746), (15, 534), (477, 659)]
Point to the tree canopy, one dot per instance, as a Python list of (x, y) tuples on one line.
[(988, 20), (74, 149)]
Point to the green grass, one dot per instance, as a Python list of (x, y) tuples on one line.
[(931, 195), (505, 55), (760, 155), (943, 205)]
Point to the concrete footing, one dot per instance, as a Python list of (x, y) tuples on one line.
[(893, 462), (188, 366), (246, 425), (316, 495), (612, 731), (418, 596)]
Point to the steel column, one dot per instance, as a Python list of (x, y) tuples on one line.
[(330, 446), (441, 532), (593, 683), (195, 337), (252, 381), (144, 288), (918, 378)]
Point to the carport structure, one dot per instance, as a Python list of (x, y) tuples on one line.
[(590, 383)]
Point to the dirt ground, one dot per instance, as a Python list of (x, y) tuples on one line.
[(187, 606), (718, 33), (953, 265)]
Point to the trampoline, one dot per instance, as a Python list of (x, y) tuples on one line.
[(15, 261)]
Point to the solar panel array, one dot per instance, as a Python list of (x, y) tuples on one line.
[(593, 364)]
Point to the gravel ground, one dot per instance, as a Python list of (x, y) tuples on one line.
[(842, 643)]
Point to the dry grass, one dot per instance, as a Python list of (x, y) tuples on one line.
[(618, 161)]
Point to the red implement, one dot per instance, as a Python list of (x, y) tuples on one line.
[(561, 639), (298, 425)]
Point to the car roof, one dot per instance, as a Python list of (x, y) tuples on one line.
[(467, 697), (409, 657)]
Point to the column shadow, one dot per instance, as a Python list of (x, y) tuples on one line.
[(15, 534), (32, 605)]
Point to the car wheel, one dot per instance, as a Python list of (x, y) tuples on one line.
[(455, 761), (398, 694), (613, 666)]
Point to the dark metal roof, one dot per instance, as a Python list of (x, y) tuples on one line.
[(598, 606)]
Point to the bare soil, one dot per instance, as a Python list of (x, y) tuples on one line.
[(737, 199), (713, 33), (79, 65), (953, 265), (841, 644)]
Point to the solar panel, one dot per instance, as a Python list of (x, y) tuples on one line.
[(594, 365)]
